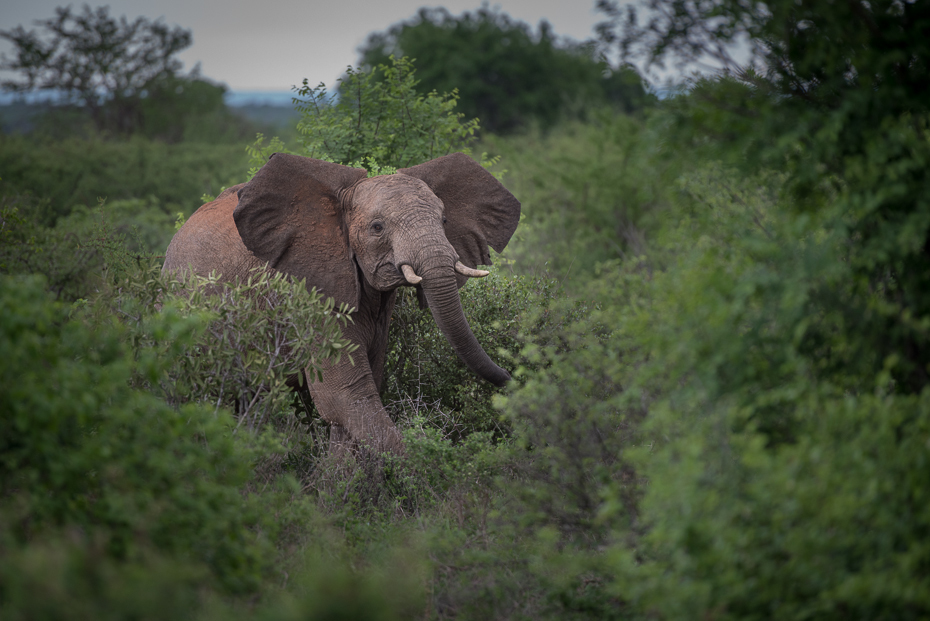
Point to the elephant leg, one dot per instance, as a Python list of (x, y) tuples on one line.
[(347, 396)]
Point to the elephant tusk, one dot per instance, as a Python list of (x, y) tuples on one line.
[(467, 271), (410, 275)]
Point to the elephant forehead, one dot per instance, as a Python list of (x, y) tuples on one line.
[(396, 192)]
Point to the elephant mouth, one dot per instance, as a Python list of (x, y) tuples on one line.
[(385, 276)]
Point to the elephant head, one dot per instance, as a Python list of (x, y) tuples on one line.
[(427, 226)]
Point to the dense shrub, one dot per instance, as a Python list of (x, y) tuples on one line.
[(381, 118), (776, 486), (85, 453), (380, 122), (723, 433), (260, 335), (64, 174), (113, 498), (591, 193), (424, 376), (61, 255)]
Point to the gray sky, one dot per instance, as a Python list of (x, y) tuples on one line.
[(274, 44)]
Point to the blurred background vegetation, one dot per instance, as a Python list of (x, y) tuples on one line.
[(716, 309)]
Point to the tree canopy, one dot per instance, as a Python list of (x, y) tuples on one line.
[(380, 120), (507, 75)]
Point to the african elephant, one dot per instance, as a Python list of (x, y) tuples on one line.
[(358, 239)]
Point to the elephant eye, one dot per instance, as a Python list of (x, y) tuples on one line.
[(444, 219), (377, 228)]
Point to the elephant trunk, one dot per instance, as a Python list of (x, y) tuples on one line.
[(442, 294)]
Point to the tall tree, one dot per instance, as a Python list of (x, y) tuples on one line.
[(506, 74), (90, 59)]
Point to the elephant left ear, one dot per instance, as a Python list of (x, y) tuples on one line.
[(479, 210)]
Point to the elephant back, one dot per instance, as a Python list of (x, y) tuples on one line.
[(209, 241)]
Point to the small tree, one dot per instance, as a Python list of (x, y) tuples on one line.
[(380, 116), (93, 60)]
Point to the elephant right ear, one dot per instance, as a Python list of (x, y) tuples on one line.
[(290, 215)]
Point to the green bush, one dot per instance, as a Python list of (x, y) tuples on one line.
[(111, 496), (73, 253), (591, 193), (423, 376), (70, 575), (719, 426), (832, 526), (66, 173), (82, 452), (379, 117), (783, 470), (62, 256), (259, 334)]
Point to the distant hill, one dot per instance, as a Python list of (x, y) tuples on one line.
[(241, 99), (270, 108)]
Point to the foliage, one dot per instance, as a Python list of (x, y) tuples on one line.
[(718, 409), (389, 588), (54, 221), (188, 109), (773, 477), (259, 334), (94, 60), (60, 255), (67, 575), (591, 193), (716, 425), (424, 376), (143, 225), (114, 503), (506, 75), (380, 119), (259, 153), (746, 340), (82, 450), (64, 174), (755, 373), (840, 96)]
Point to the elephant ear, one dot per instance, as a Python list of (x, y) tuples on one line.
[(290, 215), (480, 211)]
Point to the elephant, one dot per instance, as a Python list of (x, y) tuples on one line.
[(357, 239)]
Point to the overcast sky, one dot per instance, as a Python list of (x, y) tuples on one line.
[(274, 44)]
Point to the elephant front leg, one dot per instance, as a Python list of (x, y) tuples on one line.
[(348, 397)]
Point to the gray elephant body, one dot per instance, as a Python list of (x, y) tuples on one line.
[(350, 237)]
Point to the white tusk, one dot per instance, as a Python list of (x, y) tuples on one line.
[(410, 275), (467, 271)]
